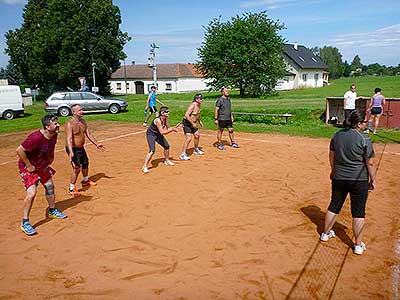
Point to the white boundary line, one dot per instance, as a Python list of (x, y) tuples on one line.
[(108, 139), (396, 270), (143, 131)]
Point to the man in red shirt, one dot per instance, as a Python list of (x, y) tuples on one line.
[(36, 154)]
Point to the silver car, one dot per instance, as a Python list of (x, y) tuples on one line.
[(61, 102)]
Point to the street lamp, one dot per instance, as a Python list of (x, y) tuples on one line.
[(94, 88), (152, 61)]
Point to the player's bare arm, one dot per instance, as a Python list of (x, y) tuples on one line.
[(21, 151)]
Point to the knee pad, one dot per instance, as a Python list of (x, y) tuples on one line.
[(49, 187)]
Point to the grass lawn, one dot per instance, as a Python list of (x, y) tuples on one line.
[(307, 105)]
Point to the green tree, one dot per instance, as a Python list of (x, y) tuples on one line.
[(60, 39), (356, 64), (11, 74), (332, 57), (346, 69), (244, 52)]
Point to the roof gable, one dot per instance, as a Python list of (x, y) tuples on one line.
[(163, 71), (303, 57)]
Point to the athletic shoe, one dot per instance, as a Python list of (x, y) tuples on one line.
[(184, 156), (145, 170), (374, 131), (168, 163), (220, 147), (144, 124), (198, 151), (56, 214), (325, 237), (88, 183), (234, 145), (359, 249), (366, 131), (28, 228), (74, 193)]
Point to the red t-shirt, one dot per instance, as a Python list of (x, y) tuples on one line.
[(39, 150)]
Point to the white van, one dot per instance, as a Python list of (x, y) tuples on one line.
[(11, 103)]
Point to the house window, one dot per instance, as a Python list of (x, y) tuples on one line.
[(127, 85), (302, 59), (168, 87), (118, 85), (316, 76), (304, 77), (313, 59)]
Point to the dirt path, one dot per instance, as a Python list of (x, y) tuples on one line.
[(238, 224)]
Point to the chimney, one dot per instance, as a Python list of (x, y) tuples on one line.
[(295, 46)]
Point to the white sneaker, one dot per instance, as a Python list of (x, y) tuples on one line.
[(325, 237), (198, 151), (145, 170), (144, 124), (184, 156), (359, 249), (168, 163)]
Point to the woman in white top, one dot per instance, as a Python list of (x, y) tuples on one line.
[(376, 108)]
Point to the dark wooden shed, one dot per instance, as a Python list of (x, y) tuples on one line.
[(389, 119)]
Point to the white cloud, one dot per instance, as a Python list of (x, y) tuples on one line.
[(375, 46), (275, 4), (13, 2)]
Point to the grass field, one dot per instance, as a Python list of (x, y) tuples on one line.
[(307, 105)]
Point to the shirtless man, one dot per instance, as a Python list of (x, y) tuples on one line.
[(76, 129), (192, 116)]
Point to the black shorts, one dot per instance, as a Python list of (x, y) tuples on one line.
[(225, 124), (358, 196), (376, 111), (188, 128), (80, 158), (160, 139), (153, 109)]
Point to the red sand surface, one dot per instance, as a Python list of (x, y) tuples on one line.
[(236, 224)]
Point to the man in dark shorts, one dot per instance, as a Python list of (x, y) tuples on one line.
[(36, 154), (189, 122), (156, 132), (352, 172), (224, 119), (76, 130)]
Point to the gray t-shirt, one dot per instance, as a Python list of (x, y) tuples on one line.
[(351, 147), (224, 112)]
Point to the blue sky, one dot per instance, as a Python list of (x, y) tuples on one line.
[(368, 28)]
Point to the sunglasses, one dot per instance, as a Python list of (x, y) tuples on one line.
[(165, 111)]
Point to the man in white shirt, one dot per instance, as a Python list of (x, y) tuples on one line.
[(349, 102)]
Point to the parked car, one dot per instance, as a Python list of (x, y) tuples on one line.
[(61, 102), (11, 103)]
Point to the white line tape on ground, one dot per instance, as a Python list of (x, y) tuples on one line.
[(103, 140)]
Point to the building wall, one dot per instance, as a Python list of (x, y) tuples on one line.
[(191, 84), (172, 85)]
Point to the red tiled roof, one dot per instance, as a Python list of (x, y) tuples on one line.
[(163, 71)]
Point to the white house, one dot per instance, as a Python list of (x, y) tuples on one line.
[(304, 69), (171, 78)]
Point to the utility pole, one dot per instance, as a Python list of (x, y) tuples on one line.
[(152, 62)]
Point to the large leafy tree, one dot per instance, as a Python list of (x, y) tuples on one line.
[(333, 58), (244, 52), (11, 74), (59, 41)]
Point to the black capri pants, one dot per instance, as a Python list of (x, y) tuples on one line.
[(358, 191), (160, 139)]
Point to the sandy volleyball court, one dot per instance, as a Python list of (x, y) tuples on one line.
[(238, 224)]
